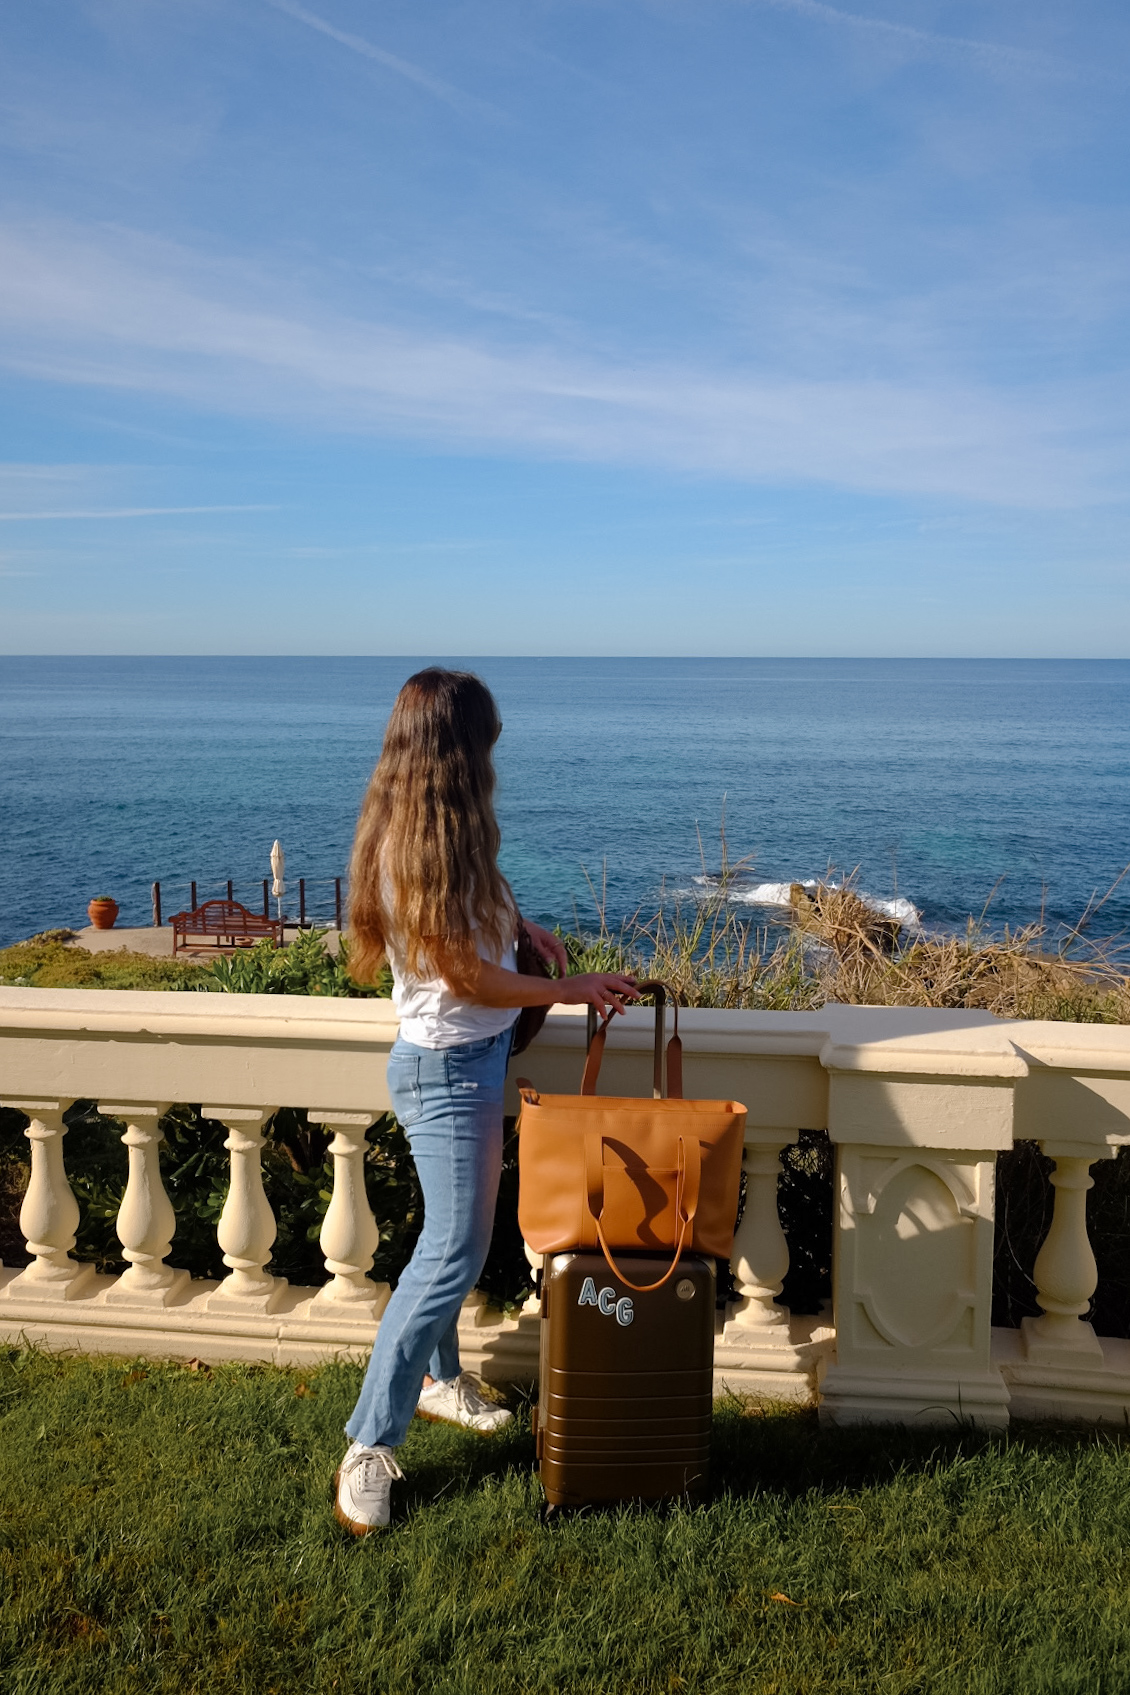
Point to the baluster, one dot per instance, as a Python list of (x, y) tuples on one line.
[(1065, 1273), (49, 1216), (536, 1262), (146, 1221), (349, 1236), (761, 1251), (246, 1229)]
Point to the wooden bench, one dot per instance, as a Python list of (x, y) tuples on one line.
[(222, 924)]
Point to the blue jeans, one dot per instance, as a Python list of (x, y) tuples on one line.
[(449, 1101)]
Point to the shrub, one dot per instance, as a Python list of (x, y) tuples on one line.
[(304, 967), (45, 962)]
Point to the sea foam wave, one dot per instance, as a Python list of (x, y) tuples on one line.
[(778, 894)]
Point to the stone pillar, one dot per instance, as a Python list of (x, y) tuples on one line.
[(246, 1229), (1065, 1273), (349, 1236), (914, 1286), (146, 1221), (49, 1216), (917, 1119)]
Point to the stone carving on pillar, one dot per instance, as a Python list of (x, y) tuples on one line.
[(917, 1118), (246, 1230), (349, 1236), (146, 1221), (1065, 1273), (49, 1216), (914, 1286)]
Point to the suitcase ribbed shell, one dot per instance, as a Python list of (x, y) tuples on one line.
[(626, 1391)]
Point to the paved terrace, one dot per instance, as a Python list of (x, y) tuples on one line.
[(157, 941)]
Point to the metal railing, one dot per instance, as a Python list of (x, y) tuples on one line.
[(321, 900)]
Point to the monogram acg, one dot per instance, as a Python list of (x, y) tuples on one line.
[(606, 1302)]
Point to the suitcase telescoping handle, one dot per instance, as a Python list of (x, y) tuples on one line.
[(686, 1201), (660, 991)]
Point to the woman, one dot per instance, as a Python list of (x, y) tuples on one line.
[(426, 893)]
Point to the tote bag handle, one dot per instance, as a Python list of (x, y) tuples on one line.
[(686, 1201), (660, 991)]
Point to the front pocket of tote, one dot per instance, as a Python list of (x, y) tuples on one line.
[(639, 1207)]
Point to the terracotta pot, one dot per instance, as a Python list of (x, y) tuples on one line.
[(102, 913)]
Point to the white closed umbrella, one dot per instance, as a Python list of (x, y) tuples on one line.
[(278, 872)]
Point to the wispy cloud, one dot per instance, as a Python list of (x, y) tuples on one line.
[(103, 308), (124, 512), (997, 55), (451, 96)]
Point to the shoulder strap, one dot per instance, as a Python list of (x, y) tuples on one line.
[(686, 1203), (660, 992)]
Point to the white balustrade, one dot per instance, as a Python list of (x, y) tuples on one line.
[(49, 1216), (1065, 1273), (917, 1104), (1075, 1102), (760, 1258), (349, 1236), (246, 1231), (146, 1221), (762, 1347)]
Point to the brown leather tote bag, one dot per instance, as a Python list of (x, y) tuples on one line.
[(623, 1174)]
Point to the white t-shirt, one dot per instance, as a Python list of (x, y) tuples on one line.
[(432, 1016)]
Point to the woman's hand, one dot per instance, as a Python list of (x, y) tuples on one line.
[(606, 990), (547, 945), (493, 986)]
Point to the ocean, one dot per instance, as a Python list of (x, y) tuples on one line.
[(952, 785)]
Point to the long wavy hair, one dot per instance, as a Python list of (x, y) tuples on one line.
[(425, 855)]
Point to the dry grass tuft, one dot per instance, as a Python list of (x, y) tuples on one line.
[(837, 949)]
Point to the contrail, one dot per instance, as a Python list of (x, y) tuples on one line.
[(988, 50), (124, 512), (391, 61)]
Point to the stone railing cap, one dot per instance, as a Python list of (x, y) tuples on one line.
[(1073, 1047), (920, 1041), (729, 1030), (165, 1013)]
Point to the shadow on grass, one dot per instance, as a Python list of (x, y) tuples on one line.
[(769, 1450)]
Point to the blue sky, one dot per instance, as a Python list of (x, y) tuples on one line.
[(689, 326)]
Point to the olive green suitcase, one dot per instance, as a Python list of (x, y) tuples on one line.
[(626, 1387)]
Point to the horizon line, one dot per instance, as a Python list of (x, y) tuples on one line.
[(624, 658)]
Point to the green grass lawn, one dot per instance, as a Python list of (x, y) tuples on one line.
[(163, 1529)]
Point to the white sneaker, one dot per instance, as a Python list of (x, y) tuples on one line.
[(362, 1488), (460, 1401)]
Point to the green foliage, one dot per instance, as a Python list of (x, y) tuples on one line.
[(304, 967), (45, 962), (805, 1206), (165, 1530)]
